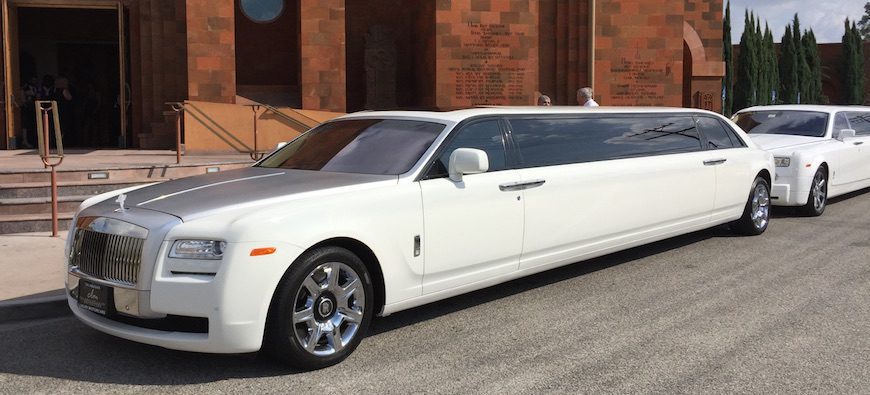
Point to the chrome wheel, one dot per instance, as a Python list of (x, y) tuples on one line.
[(819, 191), (760, 206), (328, 309)]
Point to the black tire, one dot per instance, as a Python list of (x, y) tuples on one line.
[(818, 197), (298, 314), (756, 212)]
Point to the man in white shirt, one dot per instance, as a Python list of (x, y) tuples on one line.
[(584, 97)]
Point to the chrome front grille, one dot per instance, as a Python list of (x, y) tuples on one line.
[(105, 256)]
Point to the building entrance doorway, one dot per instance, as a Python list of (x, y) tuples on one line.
[(72, 54)]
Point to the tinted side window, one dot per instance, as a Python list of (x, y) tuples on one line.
[(485, 135), (716, 135), (840, 123), (557, 141), (860, 121)]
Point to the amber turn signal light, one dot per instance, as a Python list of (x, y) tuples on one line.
[(262, 251)]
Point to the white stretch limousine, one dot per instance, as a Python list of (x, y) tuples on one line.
[(377, 212), (820, 151)]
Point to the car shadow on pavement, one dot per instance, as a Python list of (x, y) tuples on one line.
[(67, 349), (465, 301), (794, 211)]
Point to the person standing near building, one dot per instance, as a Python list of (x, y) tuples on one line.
[(30, 92), (584, 97), (544, 100)]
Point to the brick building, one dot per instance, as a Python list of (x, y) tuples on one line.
[(343, 55)]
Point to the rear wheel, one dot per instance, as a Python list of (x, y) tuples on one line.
[(818, 198), (321, 310), (756, 213)]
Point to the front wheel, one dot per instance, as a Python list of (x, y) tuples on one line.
[(818, 198), (756, 213), (321, 309)]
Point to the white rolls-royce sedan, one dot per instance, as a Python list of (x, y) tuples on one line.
[(376, 212), (820, 151)]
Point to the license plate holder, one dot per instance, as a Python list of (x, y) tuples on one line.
[(94, 297)]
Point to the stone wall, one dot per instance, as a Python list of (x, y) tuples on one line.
[(486, 52), (639, 53)]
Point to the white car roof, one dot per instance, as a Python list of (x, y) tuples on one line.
[(805, 107), (460, 115)]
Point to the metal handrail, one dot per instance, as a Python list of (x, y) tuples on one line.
[(255, 152), (42, 127)]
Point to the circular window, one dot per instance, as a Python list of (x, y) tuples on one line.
[(262, 11)]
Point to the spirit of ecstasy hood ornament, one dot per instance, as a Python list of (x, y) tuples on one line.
[(121, 198)]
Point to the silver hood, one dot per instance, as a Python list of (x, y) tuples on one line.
[(770, 142), (191, 197)]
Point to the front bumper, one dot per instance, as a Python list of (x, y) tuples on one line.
[(788, 191), (235, 301)]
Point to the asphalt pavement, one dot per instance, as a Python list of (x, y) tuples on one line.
[(784, 312)]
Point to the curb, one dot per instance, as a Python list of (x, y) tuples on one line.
[(34, 308)]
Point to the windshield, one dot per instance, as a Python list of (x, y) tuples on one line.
[(365, 146), (796, 123)]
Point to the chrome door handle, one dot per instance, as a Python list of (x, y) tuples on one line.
[(713, 162), (521, 185)]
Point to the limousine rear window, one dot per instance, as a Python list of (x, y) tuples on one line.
[(366, 146), (796, 123), (544, 142)]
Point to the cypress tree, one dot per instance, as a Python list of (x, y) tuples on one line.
[(763, 78), (747, 67), (787, 69), (813, 85), (802, 69), (772, 66), (728, 83), (859, 64), (853, 79)]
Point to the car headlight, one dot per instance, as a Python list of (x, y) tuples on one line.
[(781, 161), (198, 249)]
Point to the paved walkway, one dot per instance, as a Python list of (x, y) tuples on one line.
[(32, 265)]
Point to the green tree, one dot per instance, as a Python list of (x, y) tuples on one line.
[(747, 66), (788, 73), (864, 23), (801, 67), (771, 66), (812, 92), (853, 65), (728, 83)]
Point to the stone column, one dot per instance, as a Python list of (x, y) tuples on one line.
[(211, 50), (323, 73)]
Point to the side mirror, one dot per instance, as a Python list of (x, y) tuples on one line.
[(467, 161), (845, 134), (281, 144)]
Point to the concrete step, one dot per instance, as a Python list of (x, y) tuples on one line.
[(25, 223), (39, 205), (68, 188), (115, 172)]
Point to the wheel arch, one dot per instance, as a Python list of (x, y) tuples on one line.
[(766, 175), (370, 260)]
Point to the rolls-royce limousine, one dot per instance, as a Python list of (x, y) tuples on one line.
[(377, 212), (820, 151)]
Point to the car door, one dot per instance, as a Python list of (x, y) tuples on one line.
[(852, 155), (473, 228), (603, 182), (728, 155)]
